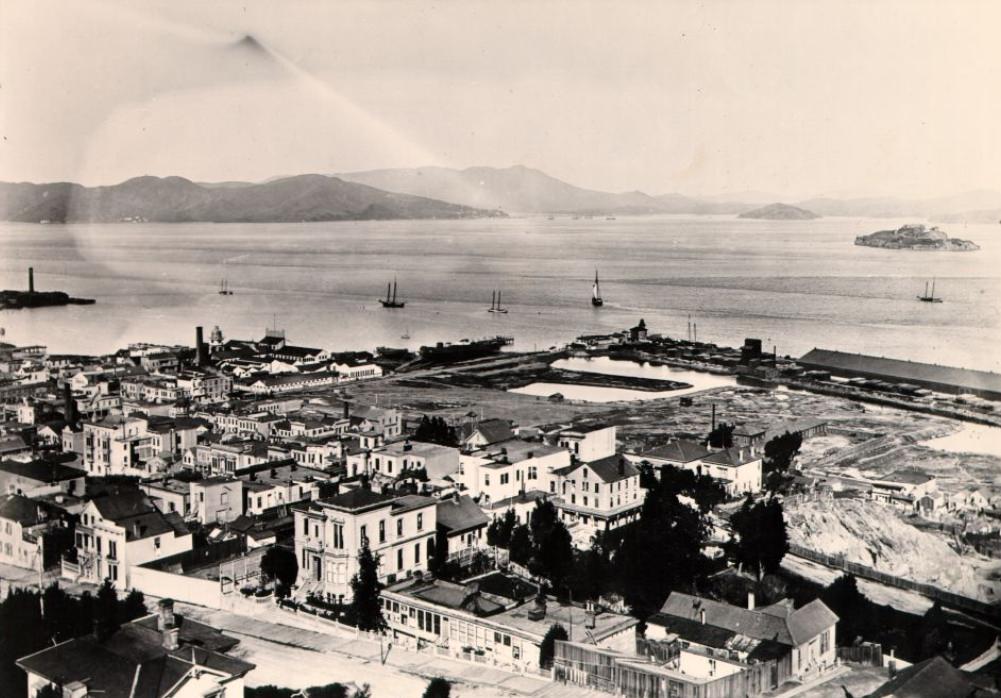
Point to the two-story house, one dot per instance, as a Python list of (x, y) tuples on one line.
[(600, 495), (21, 525), (329, 533)]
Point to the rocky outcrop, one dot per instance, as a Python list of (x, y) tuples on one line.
[(915, 237)]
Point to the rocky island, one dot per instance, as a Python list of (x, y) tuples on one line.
[(915, 237), (780, 212)]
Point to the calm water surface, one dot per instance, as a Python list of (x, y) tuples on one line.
[(795, 284)]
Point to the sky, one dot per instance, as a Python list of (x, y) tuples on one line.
[(797, 98)]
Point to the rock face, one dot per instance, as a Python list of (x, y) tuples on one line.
[(780, 212), (873, 534), (915, 237)]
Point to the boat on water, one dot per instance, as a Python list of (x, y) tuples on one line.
[(465, 349), (495, 303), (224, 289), (596, 299), (406, 334), (929, 297), (390, 299)]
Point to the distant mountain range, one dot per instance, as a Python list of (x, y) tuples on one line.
[(428, 192), (178, 200)]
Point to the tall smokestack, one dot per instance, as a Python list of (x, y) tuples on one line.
[(69, 404), (201, 355), (714, 417), (31, 279)]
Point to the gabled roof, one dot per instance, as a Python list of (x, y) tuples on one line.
[(16, 507), (612, 468), (932, 678), (41, 470), (680, 451), (777, 623), (459, 514), (494, 430), (732, 456)]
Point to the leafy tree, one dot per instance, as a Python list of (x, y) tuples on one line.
[(779, 455), (521, 545), (280, 565), (365, 587), (500, 529), (331, 690), (547, 650), (438, 688), (268, 691), (438, 557), (721, 436), (592, 570), (133, 606), (707, 491), (760, 540), (855, 612), (435, 430), (106, 611), (19, 610)]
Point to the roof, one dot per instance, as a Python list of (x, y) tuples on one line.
[(134, 511), (681, 451), (722, 638), (902, 370), (777, 623), (608, 469), (356, 500), (459, 514), (931, 678), (516, 450), (409, 502), (16, 507), (132, 662), (732, 456), (41, 470), (494, 430)]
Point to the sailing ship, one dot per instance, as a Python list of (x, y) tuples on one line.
[(929, 297), (390, 300), (406, 334), (596, 299), (495, 303), (224, 289)]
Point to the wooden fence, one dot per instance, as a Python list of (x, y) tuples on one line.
[(946, 598), (870, 653)]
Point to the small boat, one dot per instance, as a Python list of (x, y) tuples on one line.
[(929, 297), (406, 334), (495, 303), (224, 289), (596, 299), (390, 300)]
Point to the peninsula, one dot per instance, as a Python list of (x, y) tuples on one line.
[(15, 300), (915, 237), (780, 212)]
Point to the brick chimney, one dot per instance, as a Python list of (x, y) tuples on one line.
[(165, 623), (750, 601), (702, 616), (75, 689)]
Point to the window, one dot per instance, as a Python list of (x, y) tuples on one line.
[(533, 472), (420, 522), (417, 553), (156, 543), (113, 549), (825, 642), (382, 531), (505, 478), (399, 526), (399, 559), (585, 500), (486, 481), (364, 535), (224, 498)]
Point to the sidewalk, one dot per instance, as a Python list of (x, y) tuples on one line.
[(291, 631)]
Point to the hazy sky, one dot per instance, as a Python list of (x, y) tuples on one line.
[(798, 98)]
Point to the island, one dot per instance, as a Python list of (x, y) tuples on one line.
[(780, 212), (16, 300), (915, 237)]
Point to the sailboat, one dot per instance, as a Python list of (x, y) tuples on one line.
[(495, 303), (596, 299), (406, 334), (224, 288), (929, 297), (390, 300)]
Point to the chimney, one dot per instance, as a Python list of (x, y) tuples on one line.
[(590, 616), (750, 601), (702, 616), (201, 349), (165, 614), (69, 404), (714, 417), (347, 409), (740, 454), (31, 279), (170, 638), (538, 611)]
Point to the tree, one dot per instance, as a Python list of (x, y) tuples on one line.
[(547, 650), (721, 436), (553, 556), (106, 612), (48, 691), (521, 545), (280, 565), (435, 430), (707, 491), (19, 610), (779, 455), (133, 606), (759, 537), (331, 690), (856, 614), (366, 610), (438, 688), (438, 557), (500, 529)]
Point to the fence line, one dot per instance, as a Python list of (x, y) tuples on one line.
[(947, 598)]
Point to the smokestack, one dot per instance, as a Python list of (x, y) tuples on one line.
[(347, 410), (165, 614), (201, 351), (69, 404), (714, 417), (31, 279)]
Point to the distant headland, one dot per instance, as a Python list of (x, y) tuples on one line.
[(780, 212), (15, 300), (915, 237)]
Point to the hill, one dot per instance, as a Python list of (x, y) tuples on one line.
[(915, 237), (178, 200), (515, 189), (780, 212)]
